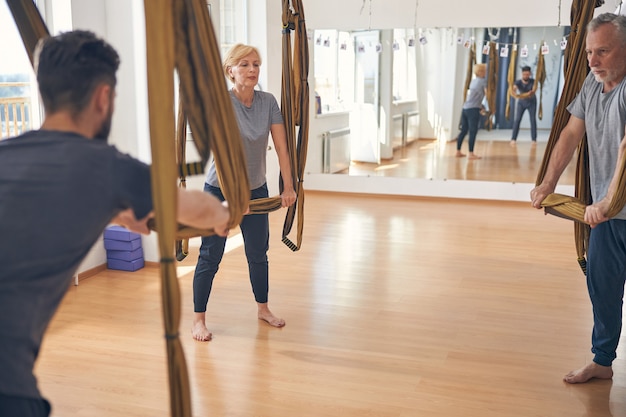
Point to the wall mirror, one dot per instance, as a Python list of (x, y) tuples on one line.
[(423, 72)]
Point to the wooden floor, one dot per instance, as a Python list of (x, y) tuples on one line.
[(395, 307), (429, 159)]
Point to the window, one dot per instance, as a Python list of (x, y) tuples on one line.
[(18, 94), (20, 110), (334, 70), (232, 24), (404, 65)]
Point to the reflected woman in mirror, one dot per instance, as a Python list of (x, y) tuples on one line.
[(470, 115)]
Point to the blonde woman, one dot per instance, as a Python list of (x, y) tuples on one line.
[(471, 111), (258, 115)]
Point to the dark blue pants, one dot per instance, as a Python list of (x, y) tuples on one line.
[(522, 106), (23, 407), (606, 275), (469, 123), (255, 231)]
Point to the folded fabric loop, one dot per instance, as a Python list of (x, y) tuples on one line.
[(564, 206)]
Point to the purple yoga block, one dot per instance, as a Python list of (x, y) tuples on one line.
[(122, 245), (125, 265), (120, 233), (125, 255)]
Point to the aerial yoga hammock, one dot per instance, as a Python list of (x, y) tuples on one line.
[(492, 83), (179, 34), (471, 60), (575, 72), (295, 111)]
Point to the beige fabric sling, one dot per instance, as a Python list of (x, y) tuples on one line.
[(575, 73)]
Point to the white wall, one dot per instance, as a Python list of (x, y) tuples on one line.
[(439, 97), (122, 23)]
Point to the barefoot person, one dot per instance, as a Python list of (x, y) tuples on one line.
[(599, 110), (258, 115), (60, 186), (470, 115), (525, 87)]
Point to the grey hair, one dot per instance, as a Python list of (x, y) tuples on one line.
[(618, 21)]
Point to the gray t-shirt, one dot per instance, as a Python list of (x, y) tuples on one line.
[(58, 191), (604, 115), (476, 93), (254, 125)]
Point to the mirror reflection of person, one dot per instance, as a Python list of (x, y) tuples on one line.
[(599, 111), (525, 89), (60, 186), (470, 115), (258, 115)]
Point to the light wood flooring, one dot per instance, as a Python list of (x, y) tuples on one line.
[(395, 307), (428, 159)]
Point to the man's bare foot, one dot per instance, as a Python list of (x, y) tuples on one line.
[(513, 142), (459, 154), (472, 155), (590, 371), (200, 332), (266, 315)]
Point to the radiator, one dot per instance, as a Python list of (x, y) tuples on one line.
[(336, 150), (397, 131), (411, 126)]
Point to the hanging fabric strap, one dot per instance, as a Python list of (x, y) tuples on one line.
[(540, 78), (511, 81), (182, 245), (471, 60), (575, 73), (29, 23), (295, 109), (492, 83)]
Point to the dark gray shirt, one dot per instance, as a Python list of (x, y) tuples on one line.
[(58, 191), (525, 87)]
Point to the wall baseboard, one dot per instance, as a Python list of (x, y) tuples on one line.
[(96, 270), (89, 273)]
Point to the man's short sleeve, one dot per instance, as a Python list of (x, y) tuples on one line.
[(132, 179)]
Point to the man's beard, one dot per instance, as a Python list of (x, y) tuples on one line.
[(105, 128)]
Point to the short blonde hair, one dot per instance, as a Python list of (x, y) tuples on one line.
[(480, 68), (235, 55)]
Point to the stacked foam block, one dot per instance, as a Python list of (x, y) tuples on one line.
[(124, 251)]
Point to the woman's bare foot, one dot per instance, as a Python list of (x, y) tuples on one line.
[(199, 330), (472, 155), (590, 371), (459, 154), (266, 315)]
